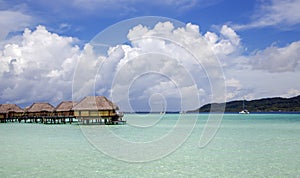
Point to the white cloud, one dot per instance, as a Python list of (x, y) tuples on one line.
[(228, 42), (11, 21), (233, 87), (230, 34), (276, 59), (256, 75), (39, 67), (275, 12), (157, 50), (292, 92), (159, 64), (177, 63)]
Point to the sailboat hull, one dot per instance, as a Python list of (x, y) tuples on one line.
[(244, 112)]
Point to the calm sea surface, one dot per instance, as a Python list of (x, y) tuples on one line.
[(255, 145)]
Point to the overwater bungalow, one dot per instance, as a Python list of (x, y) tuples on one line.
[(97, 110), (10, 112), (39, 112), (65, 108), (65, 111)]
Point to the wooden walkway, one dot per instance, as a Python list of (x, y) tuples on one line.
[(47, 119), (63, 120), (96, 120)]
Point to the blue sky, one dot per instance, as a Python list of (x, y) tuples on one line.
[(262, 36), (84, 19)]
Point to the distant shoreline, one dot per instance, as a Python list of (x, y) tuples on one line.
[(264, 105)]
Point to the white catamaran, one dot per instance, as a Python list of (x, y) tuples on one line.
[(244, 111)]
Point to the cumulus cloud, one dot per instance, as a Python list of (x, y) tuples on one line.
[(159, 67), (176, 63), (38, 68), (276, 59), (275, 12), (253, 76), (226, 43)]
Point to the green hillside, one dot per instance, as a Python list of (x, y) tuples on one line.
[(261, 105)]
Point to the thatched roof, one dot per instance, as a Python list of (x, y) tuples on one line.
[(65, 106), (5, 108), (95, 103), (38, 107)]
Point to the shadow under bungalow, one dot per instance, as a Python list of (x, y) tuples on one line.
[(90, 110)]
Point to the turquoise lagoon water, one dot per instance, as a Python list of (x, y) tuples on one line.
[(255, 145)]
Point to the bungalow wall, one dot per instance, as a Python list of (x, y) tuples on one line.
[(64, 113), (94, 116), (3, 117), (15, 114), (95, 113), (40, 114), (10, 116)]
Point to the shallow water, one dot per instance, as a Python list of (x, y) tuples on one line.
[(255, 145)]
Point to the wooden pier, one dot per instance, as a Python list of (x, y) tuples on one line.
[(47, 119)]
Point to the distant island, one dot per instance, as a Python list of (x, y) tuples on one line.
[(276, 104)]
